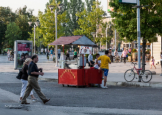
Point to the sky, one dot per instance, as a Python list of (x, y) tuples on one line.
[(35, 4)]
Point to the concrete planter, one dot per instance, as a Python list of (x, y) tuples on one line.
[(134, 56), (129, 58)]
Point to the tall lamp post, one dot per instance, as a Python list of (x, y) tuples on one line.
[(35, 25), (51, 7), (139, 32)]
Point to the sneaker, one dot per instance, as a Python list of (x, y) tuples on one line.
[(106, 87), (33, 99)]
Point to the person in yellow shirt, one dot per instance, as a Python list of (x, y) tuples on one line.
[(105, 61)]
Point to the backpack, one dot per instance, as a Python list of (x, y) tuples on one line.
[(19, 75)]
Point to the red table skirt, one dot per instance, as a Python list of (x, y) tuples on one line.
[(79, 77)]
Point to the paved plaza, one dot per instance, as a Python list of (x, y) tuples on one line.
[(117, 100)]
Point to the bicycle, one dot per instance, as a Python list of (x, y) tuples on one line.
[(146, 75)]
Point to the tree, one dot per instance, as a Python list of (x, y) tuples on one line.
[(109, 31), (6, 16), (13, 33), (22, 20), (89, 4), (126, 22), (88, 21), (73, 6), (47, 24), (38, 37)]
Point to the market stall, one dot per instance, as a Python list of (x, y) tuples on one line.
[(78, 76)]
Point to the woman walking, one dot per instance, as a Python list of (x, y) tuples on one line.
[(124, 54), (8, 54), (152, 62), (24, 79)]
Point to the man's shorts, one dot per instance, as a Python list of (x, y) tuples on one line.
[(105, 72)]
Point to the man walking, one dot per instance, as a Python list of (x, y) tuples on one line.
[(105, 61), (33, 73)]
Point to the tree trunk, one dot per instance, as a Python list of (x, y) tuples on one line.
[(143, 54)]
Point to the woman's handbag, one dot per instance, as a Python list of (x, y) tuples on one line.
[(19, 75)]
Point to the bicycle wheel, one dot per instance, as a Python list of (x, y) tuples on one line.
[(146, 76), (129, 75)]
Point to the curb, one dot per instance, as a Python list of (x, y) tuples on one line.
[(48, 79), (126, 84), (135, 84)]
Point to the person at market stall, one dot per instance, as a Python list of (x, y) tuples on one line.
[(75, 54), (90, 59), (105, 61), (97, 62)]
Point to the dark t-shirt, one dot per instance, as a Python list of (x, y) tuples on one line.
[(33, 68), (24, 72)]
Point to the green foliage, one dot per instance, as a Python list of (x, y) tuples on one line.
[(125, 20), (21, 18), (94, 56), (148, 51), (38, 37), (47, 27), (88, 21), (134, 50), (129, 54), (72, 7), (13, 33), (86, 55)]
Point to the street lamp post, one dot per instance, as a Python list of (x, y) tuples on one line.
[(51, 8), (35, 25), (115, 39), (139, 33), (106, 37)]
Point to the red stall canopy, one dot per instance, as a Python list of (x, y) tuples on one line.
[(74, 40)]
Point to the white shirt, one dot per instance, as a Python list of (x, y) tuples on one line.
[(96, 65), (42, 50)]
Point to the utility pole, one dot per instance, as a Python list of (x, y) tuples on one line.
[(138, 35)]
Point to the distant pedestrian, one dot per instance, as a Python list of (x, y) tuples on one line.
[(130, 50), (45, 50), (24, 79), (34, 73), (59, 53), (67, 55), (75, 54), (161, 59), (11, 55), (152, 62), (47, 54), (124, 55), (105, 61), (51, 52), (41, 50), (8, 55)]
